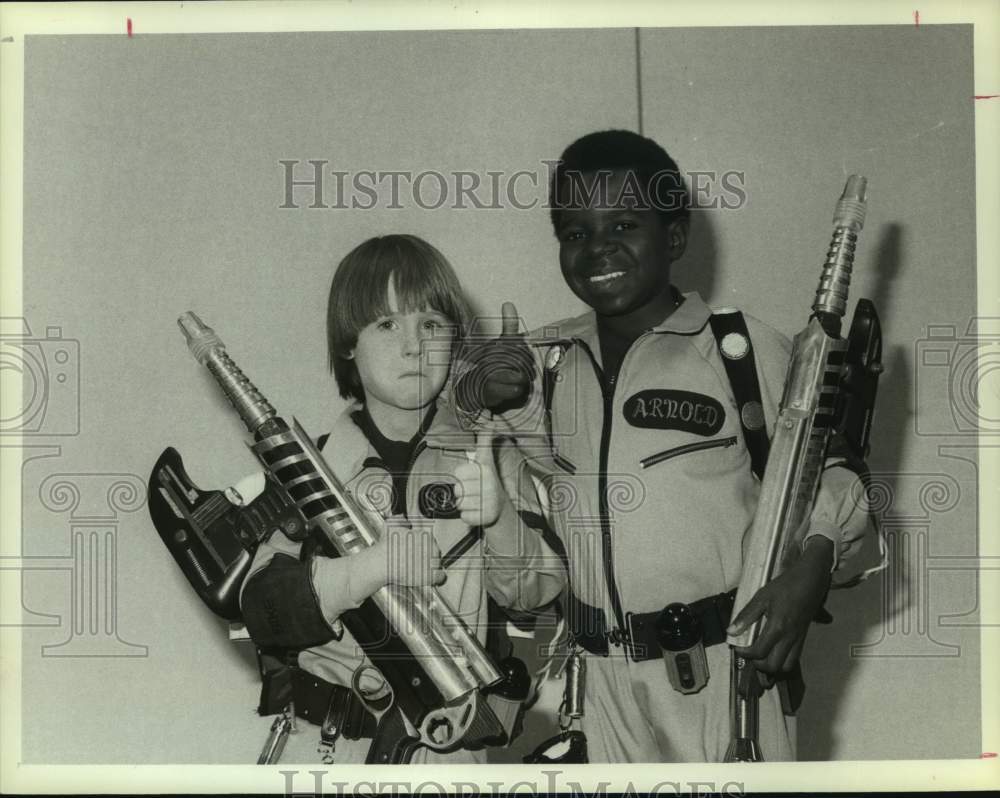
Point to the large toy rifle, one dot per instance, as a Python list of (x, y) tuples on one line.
[(438, 675), (830, 385)]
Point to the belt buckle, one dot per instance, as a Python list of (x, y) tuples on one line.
[(637, 651), (625, 638)]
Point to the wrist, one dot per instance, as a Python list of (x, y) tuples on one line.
[(501, 535), (818, 551), (368, 573)]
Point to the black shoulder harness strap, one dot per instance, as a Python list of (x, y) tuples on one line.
[(736, 349)]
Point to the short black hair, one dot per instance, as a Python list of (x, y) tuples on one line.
[(421, 277), (616, 151)]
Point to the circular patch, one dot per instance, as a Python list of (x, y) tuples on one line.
[(554, 357), (735, 345), (437, 500), (752, 415)]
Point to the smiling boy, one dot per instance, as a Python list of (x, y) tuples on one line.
[(647, 458)]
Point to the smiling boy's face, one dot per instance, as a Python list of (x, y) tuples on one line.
[(615, 253)]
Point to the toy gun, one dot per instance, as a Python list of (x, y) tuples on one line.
[(830, 385), (438, 677), (213, 534)]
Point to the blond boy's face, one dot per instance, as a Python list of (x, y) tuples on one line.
[(403, 359)]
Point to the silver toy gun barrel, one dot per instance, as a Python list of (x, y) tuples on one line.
[(807, 414), (438, 646)]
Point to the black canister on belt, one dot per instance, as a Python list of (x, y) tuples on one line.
[(680, 636)]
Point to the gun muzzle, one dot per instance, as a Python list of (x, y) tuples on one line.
[(201, 339), (209, 350), (852, 205), (848, 219)]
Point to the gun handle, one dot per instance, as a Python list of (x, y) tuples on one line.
[(856, 402), (392, 744)]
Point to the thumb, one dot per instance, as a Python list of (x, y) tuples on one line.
[(509, 319)]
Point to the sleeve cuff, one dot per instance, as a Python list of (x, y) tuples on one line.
[(829, 531), (331, 587)]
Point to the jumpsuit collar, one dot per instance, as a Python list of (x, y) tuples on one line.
[(348, 449), (689, 318)]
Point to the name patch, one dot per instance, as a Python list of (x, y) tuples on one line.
[(681, 410)]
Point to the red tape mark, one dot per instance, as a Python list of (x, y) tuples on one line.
[(984, 96), (916, 18), (128, 26), (987, 755)]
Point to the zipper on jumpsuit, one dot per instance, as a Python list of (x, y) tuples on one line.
[(677, 451), (617, 634)]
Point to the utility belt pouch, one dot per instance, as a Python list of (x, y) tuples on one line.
[(334, 708), (275, 681), (507, 699), (345, 716), (681, 639), (712, 614)]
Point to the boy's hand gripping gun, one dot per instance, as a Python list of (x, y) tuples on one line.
[(434, 666), (830, 385)]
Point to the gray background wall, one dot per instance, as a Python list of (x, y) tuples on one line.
[(153, 184)]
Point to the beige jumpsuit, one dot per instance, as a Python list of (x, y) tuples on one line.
[(675, 529), (530, 579)]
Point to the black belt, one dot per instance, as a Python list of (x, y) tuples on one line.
[(641, 642), (640, 639), (334, 708)]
